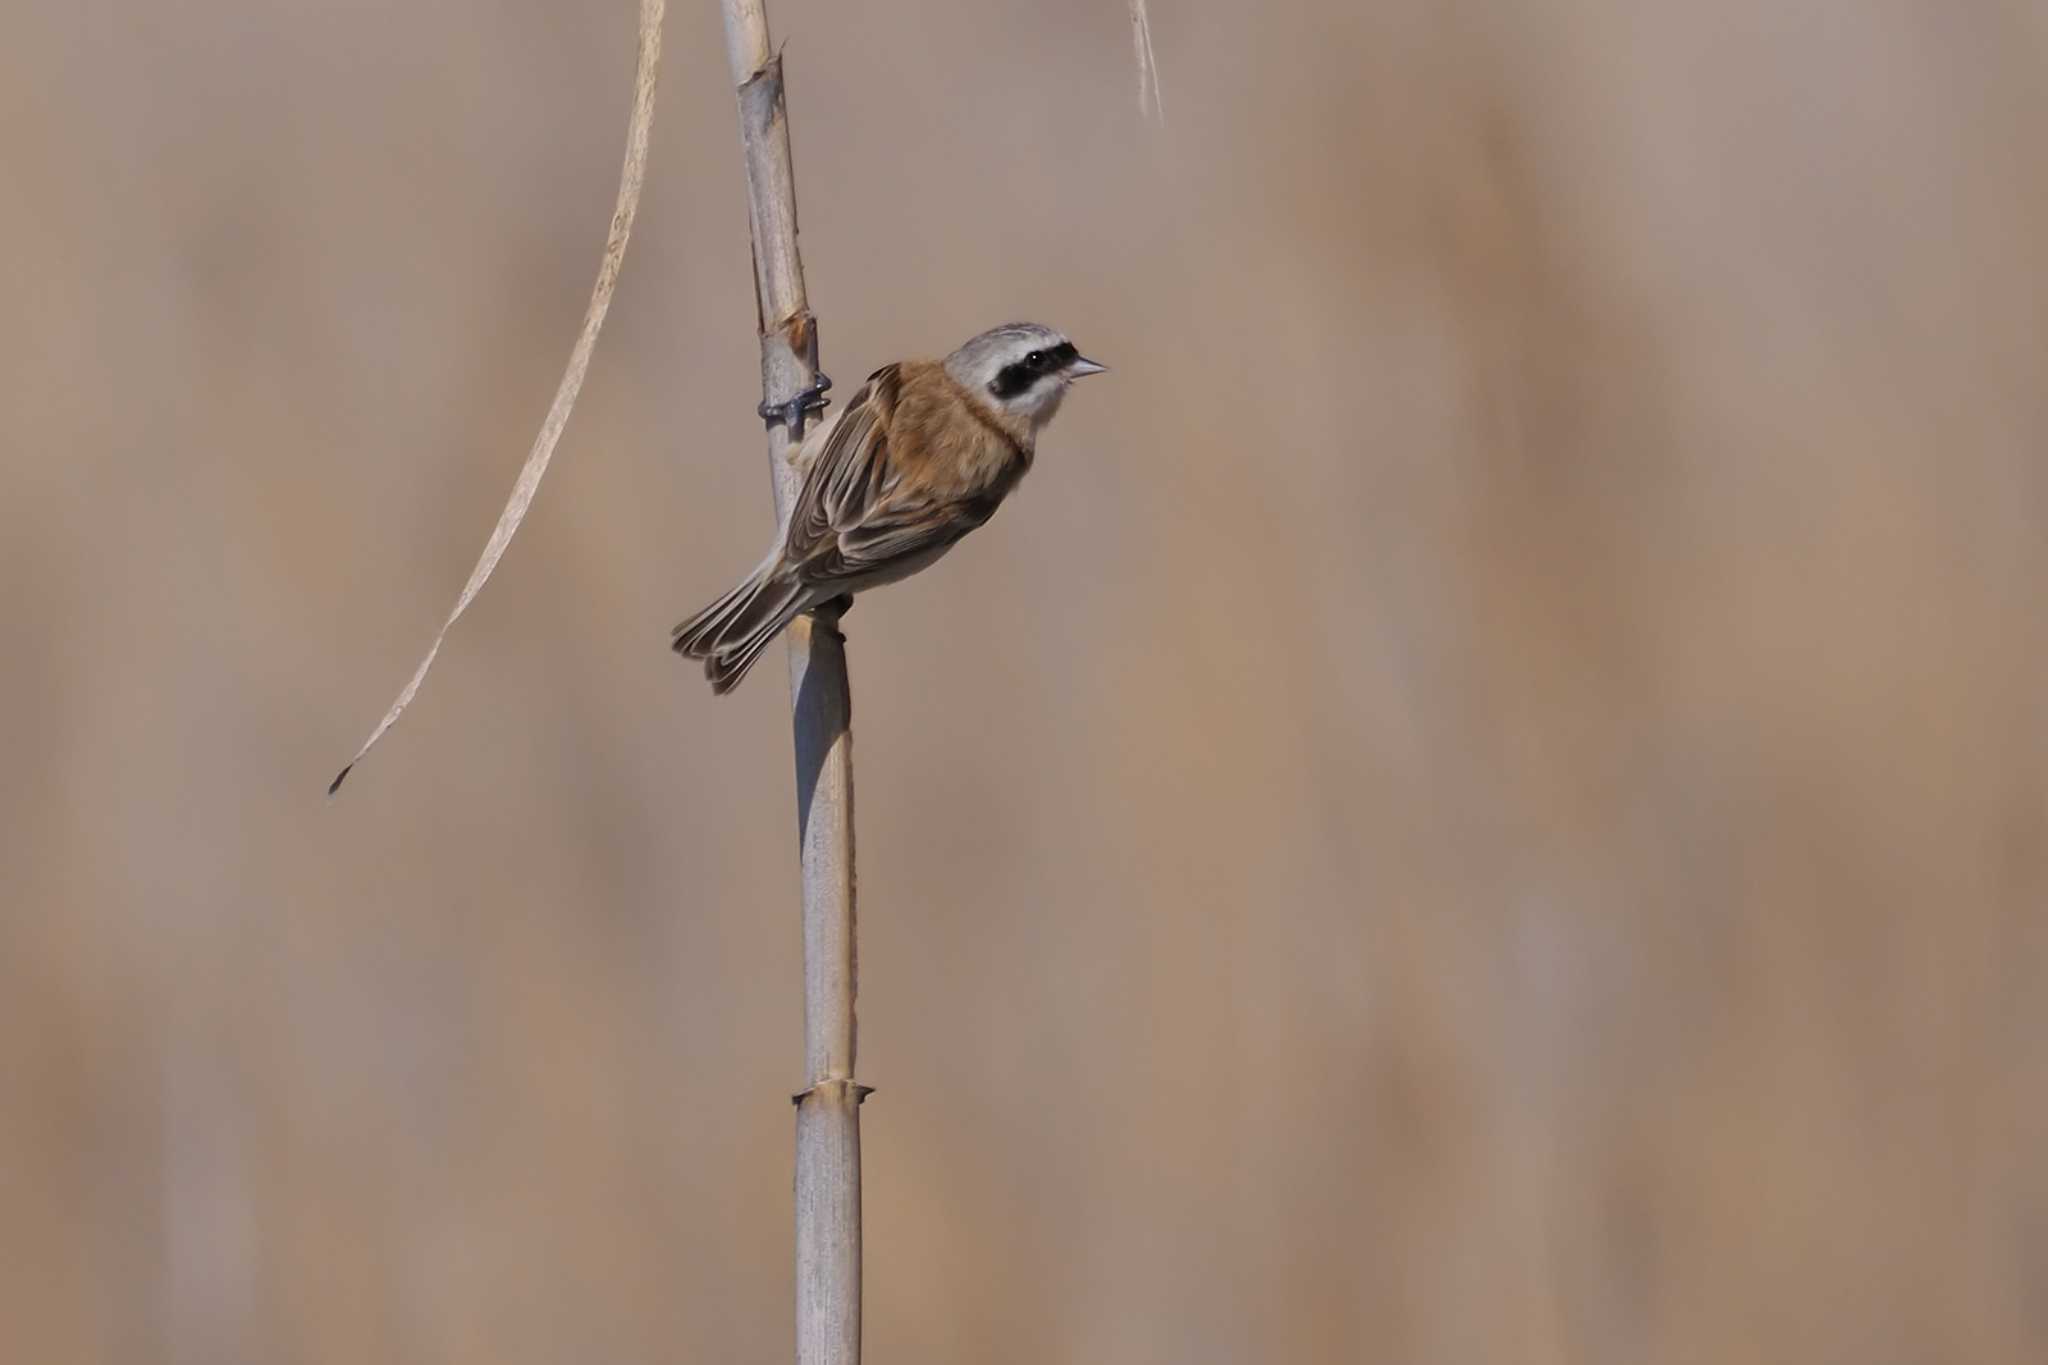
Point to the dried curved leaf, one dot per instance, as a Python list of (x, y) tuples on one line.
[(631, 177)]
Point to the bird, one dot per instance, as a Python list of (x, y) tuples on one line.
[(924, 452)]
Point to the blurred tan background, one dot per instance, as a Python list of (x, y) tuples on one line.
[(1485, 802)]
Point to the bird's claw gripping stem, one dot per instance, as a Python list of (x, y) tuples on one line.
[(792, 413)]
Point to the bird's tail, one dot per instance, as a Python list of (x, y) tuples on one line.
[(730, 634)]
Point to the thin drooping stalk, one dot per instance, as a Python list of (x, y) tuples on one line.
[(639, 129), (828, 1108)]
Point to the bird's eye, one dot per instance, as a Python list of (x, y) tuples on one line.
[(1036, 360)]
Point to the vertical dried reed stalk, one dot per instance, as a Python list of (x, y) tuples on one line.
[(1149, 102), (828, 1109)]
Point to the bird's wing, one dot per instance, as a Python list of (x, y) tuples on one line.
[(853, 515), (843, 475)]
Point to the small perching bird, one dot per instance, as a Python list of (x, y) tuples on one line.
[(924, 452)]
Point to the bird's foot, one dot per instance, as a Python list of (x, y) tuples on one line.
[(792, 413), (826, 615)]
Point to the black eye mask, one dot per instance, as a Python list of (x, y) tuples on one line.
[(1019, 375)]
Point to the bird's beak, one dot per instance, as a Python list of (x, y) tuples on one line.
[(1081, 366)]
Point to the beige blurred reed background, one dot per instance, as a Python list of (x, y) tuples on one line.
[(1485, 803)]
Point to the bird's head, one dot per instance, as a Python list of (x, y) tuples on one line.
[(1020, 369)]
